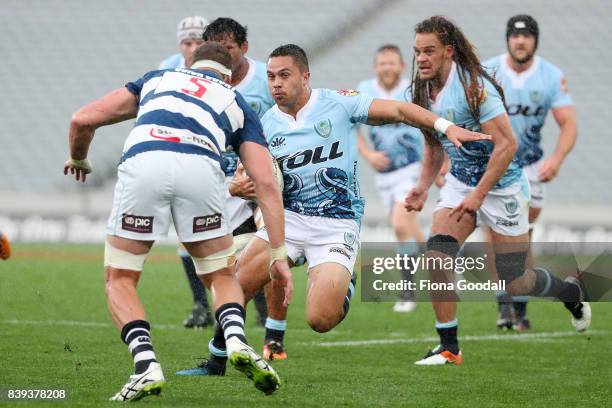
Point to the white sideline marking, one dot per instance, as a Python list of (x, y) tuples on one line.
[(495, 337)]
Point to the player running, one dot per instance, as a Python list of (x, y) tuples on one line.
[(5, 247), (311, 134), (485, 184), (532, 87), (396, 157), (172, 169)]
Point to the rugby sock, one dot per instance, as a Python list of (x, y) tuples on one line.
[(217, 348), (448, 335), (231, 319), (197, 287), (275, 329), (409, 248), (520, 306), (261, 307), (138, 339), (547, 285)]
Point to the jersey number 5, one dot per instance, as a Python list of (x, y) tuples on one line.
[(199, 83)]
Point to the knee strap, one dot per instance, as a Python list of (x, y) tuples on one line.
[(219, 260), (510, 266), (120, 259), (443, 243)]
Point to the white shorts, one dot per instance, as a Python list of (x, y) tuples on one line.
[(535, 185), (157, 187), (394, 186), (317, 240), (505, 210), (238, 209)]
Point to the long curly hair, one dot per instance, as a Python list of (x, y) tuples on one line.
[(469, 69)]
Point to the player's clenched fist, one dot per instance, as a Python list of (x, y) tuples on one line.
[(416, 198)]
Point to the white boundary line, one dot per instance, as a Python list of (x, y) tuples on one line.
[(494, 337)]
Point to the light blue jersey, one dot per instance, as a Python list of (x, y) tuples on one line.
[(469, 162), (317, 152), (254, 89), (529, 96), (401, 143), (172, 62)]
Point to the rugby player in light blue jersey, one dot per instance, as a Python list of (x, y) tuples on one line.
[(189, 35), (171, 171), (485, 184), (311, 133), (532, 87), (395, 156)]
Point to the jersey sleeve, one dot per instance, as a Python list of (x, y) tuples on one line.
[(135, 87), (491, 104), (355, 103), (560, 93), (251, 130)]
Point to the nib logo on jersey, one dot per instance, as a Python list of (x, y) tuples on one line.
[(206, 222), (137, 223)]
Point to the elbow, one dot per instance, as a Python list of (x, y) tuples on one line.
[(79, 120)]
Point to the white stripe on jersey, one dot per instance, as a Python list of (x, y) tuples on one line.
[(149, 86), (176, 105), (148, 132), (235, 116)]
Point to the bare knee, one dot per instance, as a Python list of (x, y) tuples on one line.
[(322, 322)]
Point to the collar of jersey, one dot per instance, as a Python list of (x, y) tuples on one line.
[(519, 79), (402, 84), (248, 77), (437, 104), (302, 114), (207, 72)]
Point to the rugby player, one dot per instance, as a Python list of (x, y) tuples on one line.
[(172, 169), (189, 35), (532, 87), (5, 247), (311, 134), (484, 184), (396, 157)]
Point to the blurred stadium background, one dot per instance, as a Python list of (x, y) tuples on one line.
[(60, 54)]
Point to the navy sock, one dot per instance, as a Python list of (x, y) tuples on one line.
[(196, 285), (448, 335)]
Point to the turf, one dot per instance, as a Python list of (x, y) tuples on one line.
[(56, 333)]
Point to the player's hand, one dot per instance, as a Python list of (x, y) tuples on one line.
[(241, 185), (281, 277), (416, 198), (470, 205), (378, 160), (440, 180), (549, 168), (456, 135), (79, 168)]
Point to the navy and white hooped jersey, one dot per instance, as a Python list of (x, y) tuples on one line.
[(402, 144), (529, 96), (469, 162), (189, 111), (317, 152), (254, 89)]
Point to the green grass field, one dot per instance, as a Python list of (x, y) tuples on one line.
[(56, 333)]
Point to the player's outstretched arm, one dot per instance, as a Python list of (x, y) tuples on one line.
[(257, 161), (117, 106), (387, 111)]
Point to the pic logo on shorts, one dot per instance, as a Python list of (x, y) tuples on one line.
[(207, 222), (137, 223)]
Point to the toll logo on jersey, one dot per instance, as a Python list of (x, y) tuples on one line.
[(305, 157), (137, 223), (348, 92), (277, 143), (206, 222), (323, 128)]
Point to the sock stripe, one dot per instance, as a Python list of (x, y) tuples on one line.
[(140, 348), (229, 311), (276, 324), (145, 355), (135, 333), (216, 351), (447, 325), (548, 282)]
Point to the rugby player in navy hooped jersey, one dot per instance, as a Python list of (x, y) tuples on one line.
[(484, 185), (532, 87), (311, 134), (171, 170)]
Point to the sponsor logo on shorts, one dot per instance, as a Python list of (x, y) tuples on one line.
[(338, 250), (137, 223), (506, 223), (206, 222)]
